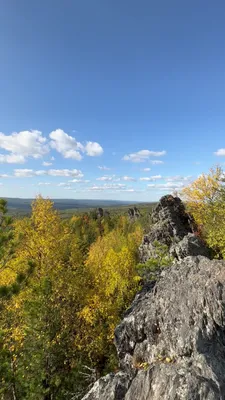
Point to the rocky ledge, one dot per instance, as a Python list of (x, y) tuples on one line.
[(171, 342)]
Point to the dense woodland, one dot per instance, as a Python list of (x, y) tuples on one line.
[(65, 283)]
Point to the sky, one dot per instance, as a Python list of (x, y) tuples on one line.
[(110, 99)]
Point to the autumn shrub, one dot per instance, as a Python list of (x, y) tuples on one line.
[(205, 199)]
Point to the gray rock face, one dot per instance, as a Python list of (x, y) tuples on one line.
[(110, 387), (171, 342), (190, 245), (171, 224)]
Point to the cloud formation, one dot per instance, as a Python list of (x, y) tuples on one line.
[(28, 173), (128, 178), (143, 155), (110, 186), (103, 168), (105, 178), (80, 181), (69, 147), (220, 152), (167, 186), (156, 162), (22, 145), (12, 159), (93, 149), (66, 145), (46, 163), (178, 178), (151, 178)]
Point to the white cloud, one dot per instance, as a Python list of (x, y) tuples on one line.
[(103, 168), (220, 152), (12, 159), (93, 149), (27, 173), (129, 178), (65, 144), (44, 183), (24, 173), (79, 181), (41, 172), (70, 148), (4, 176), (65, 172), (146, 169), (178, 178), (151, 178), (46, 163), (19, 146), (105, 178), (156, 162), (22, 145), (112, 186), (143, 155), (167, 186)]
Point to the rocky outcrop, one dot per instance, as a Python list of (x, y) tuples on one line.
[(170, 225), (171, 342), (133, 213), (110, 387), (100, 213), (189, 245)]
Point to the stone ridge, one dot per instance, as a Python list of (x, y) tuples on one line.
[(171, 341)]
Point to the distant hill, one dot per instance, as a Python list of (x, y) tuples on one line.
[(23, 206)]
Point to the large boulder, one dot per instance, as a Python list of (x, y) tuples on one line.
[(171, 342)]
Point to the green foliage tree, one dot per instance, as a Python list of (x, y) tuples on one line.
[(149, 271)]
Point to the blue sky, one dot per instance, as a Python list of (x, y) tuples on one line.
[(97, 95)]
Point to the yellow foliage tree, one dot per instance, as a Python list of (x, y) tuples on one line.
[(113, 281), (202, 194), (38, 315), (41, 237), (206, 201)]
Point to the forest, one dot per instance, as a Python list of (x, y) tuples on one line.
[(65, 284)]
